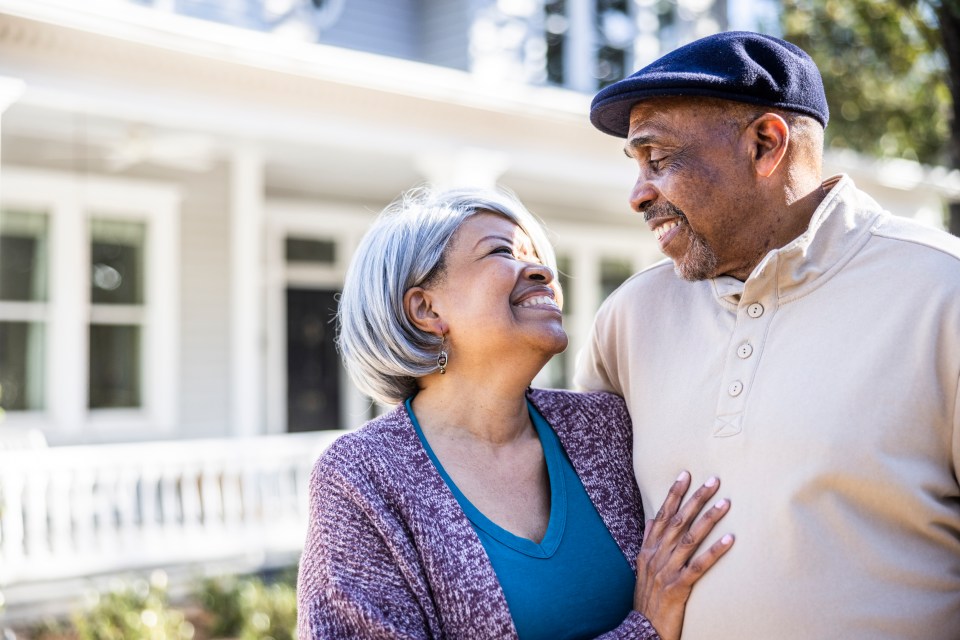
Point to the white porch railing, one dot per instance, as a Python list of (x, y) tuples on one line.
[(67, 512)]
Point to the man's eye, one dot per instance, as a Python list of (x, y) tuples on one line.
[(655, 163)]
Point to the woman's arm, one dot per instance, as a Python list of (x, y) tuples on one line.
[(666, 566), (351, 584)]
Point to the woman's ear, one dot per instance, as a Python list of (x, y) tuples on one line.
[(771, 136), (419, 308)]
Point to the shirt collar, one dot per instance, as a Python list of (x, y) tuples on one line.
[(838, 227)]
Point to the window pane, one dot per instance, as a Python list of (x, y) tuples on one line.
[(21, 366), (23, 256), (613, 273), (117, 261), (555, 30), (315, 251), (114, 366)]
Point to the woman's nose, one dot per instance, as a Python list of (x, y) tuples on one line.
[(540, 273)]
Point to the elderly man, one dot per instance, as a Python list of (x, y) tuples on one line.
[(801, 343)]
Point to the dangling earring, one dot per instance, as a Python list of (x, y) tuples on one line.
[(442, 358)]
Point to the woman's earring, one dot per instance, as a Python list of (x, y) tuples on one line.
[(442, 358)]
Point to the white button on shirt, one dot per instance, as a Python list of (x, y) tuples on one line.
[(755, 310), (735, 388), (744, 350)]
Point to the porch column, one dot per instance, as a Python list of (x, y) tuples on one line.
[(247, 292), (585, 282), (10, 91)]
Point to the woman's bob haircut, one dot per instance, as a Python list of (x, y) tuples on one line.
[(382, 350)]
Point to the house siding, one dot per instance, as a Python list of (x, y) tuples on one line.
[(445, 29), (205, 308), (386, 28)]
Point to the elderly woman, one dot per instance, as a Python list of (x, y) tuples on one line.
[(478, 507)]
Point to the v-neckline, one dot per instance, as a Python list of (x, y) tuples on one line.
[(558, 495)]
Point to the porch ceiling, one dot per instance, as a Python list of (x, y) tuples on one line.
[(329, 121)]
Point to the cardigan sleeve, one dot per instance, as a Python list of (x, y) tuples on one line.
[(350, 583), (634, 627)]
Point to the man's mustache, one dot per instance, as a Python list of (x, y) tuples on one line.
[(663, 210)]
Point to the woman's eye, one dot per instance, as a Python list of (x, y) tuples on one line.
[(508, 250)]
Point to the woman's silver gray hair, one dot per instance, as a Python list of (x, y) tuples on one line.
[(383, 351)]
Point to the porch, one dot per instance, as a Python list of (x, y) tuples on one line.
[(71, 514)]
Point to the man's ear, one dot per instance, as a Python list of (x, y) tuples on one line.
[(419, 308), (770, 138)]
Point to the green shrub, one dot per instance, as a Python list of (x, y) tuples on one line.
[(239, 608), (137, 611), (220, 599), (250, 608)]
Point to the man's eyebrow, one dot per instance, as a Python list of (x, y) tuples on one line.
[(636, 143)]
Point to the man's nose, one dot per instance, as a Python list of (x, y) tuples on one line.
[(643, 195)]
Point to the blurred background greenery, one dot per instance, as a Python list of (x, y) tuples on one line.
[(262, 607), (891, 71)]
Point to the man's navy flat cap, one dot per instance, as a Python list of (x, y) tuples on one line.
[(733, 65)]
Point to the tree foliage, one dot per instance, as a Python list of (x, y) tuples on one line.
[(885, 70)]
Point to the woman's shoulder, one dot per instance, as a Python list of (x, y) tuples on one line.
[(590, 402), (379, 445)]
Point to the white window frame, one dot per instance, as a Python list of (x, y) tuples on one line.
[(70, 201), (345, 225), (586, 246)]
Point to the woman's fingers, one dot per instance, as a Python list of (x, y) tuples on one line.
[(702, 526), (669, 507), (673, 520), (702, 563), (666, 565), (675, 535)]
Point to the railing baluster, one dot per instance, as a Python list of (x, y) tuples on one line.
[(12, 549), (190, 496), (68, 511), (82, 510), (105, 496), (37, 532), (61, 538)]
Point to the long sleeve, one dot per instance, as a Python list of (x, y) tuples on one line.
[(350, 584), (634, 627)]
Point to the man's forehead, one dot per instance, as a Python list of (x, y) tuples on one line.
[(653, 117)]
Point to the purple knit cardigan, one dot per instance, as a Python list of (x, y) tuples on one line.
[(390, 553)]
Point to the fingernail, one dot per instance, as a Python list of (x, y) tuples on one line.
[(712, 480), (683, 476), (720, 504), (727, 539)]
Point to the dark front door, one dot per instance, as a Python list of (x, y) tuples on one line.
[(313, 367)]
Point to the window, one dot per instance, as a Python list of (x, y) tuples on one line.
[(116, 313), (613, 273), (588, 42), (88, 306), (23, 309), (303, 250)]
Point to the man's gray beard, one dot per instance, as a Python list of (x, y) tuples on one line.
[(699, 263)]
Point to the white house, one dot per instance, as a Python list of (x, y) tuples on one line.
[(182, 185)]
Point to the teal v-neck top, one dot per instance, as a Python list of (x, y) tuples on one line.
[(576, 583)]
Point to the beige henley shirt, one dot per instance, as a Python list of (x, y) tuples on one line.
[(823, 392)]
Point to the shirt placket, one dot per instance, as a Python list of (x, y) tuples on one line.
[(755, 311)]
